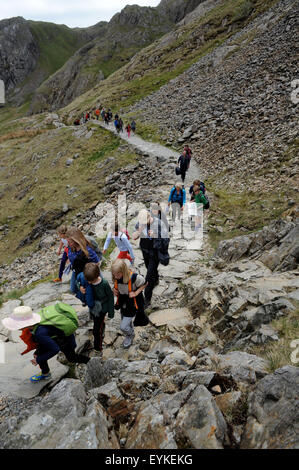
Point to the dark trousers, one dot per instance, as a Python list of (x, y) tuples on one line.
[(62, 264), (98, 331), (151, 262), (183, 175), (67, 346)]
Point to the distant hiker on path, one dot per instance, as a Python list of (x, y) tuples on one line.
[(121, 125), (121, 241), (128, 288), (96, 292), (154, 244), (188, 151), (97, 113), (128, 129), (177, 200), (133, 126), (62, 230), (184, 162), (47, 332)]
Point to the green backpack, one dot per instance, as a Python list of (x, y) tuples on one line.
[(60, 315)]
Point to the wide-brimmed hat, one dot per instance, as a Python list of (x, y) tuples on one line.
[(20, 318)]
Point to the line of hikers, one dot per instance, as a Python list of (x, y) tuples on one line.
[(107, 117), (52, 329)]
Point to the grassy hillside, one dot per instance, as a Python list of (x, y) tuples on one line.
[(35, 180), (56, 44)]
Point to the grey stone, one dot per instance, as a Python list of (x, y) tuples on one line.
[(273, 412)]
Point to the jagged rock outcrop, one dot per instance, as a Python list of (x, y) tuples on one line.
[(23, 63), (19, 52)]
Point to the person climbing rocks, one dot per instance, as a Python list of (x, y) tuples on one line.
[(154, 243), (48, 331), (177, 200), (80, 253), (128, 288), (62, 230), (183, 161), (121, 241), (96, 292), (128, 129)]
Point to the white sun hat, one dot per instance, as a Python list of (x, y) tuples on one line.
[(20, 318)]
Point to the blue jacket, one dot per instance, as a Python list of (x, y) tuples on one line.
[(93, 257), (179, 198)]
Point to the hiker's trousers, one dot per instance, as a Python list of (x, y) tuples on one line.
[(151, 262)]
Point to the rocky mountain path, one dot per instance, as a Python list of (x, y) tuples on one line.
[(167, 300)]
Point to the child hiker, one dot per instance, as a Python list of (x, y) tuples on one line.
[(47, 332), (121, 241), (97, 294), (128, 288), (63, 245)]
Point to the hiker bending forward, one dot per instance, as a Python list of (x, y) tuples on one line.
[(47, 332)]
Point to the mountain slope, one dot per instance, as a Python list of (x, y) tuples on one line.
[(33, 50), (127, 33)]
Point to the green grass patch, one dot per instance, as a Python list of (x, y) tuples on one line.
[(278, 353)]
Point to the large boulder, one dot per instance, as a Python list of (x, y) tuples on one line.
[(64, 419), (273, 412)]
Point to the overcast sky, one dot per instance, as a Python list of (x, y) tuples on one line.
[(70, 12)]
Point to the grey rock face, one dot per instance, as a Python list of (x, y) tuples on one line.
[(18, 53), (273, 421), (65, 420)]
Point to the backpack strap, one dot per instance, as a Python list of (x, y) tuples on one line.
[(133, 277)]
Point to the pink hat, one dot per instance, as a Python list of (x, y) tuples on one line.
[(20, 318)]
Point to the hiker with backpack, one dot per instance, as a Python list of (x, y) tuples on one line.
[(128, 288), (96, 292), (154, 242), (184, 162), (48, 331), (63, 245), (201, 186), (121, 238), (177, 200), (80, 253), (200, 198)]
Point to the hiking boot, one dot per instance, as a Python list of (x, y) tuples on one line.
[(58, 279), (39, 377), (128, 341)]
